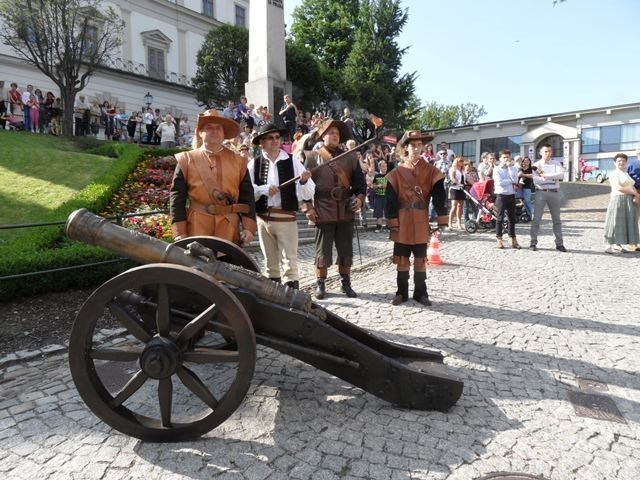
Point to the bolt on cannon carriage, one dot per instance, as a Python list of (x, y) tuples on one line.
[(190, 319)]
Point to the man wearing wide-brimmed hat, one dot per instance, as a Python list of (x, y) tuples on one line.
[(211, 193), (410, 187), (276, 207), (340, 191)]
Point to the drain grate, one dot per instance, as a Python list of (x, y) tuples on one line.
[(599, 407), (589, 385)]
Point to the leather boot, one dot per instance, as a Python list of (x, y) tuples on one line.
[(320, 290), (346, 286), (420, 288), (402, 294), (499, 243), (513, 243), (275, 279), (294, 284)]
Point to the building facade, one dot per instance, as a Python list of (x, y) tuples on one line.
[(595, 134), (158, 55)]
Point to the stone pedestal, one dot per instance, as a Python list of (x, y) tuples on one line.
[(267, 61)]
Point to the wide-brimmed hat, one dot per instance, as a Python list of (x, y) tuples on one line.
[(345, 133), (231, 127), (414, 135), (265, 130)]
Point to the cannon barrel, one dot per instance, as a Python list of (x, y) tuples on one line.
[(84, 226)]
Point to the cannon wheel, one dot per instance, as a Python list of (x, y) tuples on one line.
[(167, 351), (229, 252)]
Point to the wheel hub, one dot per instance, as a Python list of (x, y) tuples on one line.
[(161, 358)]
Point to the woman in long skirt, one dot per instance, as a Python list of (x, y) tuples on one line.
[(621, 223)]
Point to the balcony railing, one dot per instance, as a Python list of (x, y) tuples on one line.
[(130, 66)]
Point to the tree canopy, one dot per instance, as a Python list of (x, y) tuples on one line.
[(435, 116), (67, 40), (223, 66)]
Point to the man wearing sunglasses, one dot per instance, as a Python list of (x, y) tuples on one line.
[(276, 207)]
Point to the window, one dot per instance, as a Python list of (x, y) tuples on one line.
[(90, 41), (207, 8), (241, 16), (466, 149), (610, 138), (496, 144), (590, 140), (630, 137), (155, 62)]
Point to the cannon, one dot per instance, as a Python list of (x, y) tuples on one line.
[(186, 326)]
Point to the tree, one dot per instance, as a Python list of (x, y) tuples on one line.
[(435, 116), (326, 27), (303, 71), (67, 40), (223, 66)]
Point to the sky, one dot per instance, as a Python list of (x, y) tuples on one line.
[(521, 58)]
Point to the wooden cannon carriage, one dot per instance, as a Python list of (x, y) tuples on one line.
[(194, 313)]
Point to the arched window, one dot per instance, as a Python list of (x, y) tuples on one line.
[(556, 142)]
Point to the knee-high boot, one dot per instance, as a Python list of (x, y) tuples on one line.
[(420, 288), (402, 294)]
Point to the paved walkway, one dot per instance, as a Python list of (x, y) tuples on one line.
[(523, 329)]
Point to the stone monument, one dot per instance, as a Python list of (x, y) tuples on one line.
[(267, 61)]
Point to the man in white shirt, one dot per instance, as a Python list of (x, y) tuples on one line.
[(26, 107), (487, 163), (167, 132), (505, 178), (546, 177), (79, 108), (276, 208)]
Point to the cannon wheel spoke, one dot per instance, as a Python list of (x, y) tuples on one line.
[(163, 312), (121, 354), (211, 355), (193, 383), (165, 396), (197, 324), (132, 386), (210, 399), (128, 321)]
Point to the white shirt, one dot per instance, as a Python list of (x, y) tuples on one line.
[(303, 192), (26, 96), (553, 172), (167, 132)]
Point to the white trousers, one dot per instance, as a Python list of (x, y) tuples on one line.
[(279, 245)]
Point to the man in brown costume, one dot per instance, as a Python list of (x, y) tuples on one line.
[(410, 186), (211, 193), (340, 191)]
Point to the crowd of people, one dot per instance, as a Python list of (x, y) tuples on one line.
[(31, 110)]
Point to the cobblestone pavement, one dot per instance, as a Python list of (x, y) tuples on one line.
[(521, 328)]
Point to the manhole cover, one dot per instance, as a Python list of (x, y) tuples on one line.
[(589, 385), (599, 407), (511, 476)]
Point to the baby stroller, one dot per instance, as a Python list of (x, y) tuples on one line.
[(482, 196), (521, 212)]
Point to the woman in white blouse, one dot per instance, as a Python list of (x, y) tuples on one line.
[(621, 223), (456, 191)]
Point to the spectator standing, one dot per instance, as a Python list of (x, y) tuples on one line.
[(450, 153), (546, 178), (428, 154), (79, 108), (276, 207), (49, 101), (56, 112), (34, 115), (340, 192), (633, 169), (215, 183), (148, 124), (132, 125), (505, 179), (3, 105), (167, 132), (122, 118), (485, 169), (289, 113), (14, 97), (470, 177), (379, 186), (525, 173), (410, 187), (621, 222), (26, 107), (456, 191)]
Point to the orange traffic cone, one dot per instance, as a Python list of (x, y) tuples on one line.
[(433, 251)]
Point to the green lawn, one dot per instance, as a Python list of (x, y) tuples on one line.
[(38, 173)]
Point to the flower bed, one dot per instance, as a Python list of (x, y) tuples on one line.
[(146, 190)]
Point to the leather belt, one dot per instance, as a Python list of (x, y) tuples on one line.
[(287, 215), (414, 205), (212, 209)]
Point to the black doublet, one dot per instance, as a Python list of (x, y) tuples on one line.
[(285, 172)]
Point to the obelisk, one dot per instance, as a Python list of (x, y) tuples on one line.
[(267, 59)]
